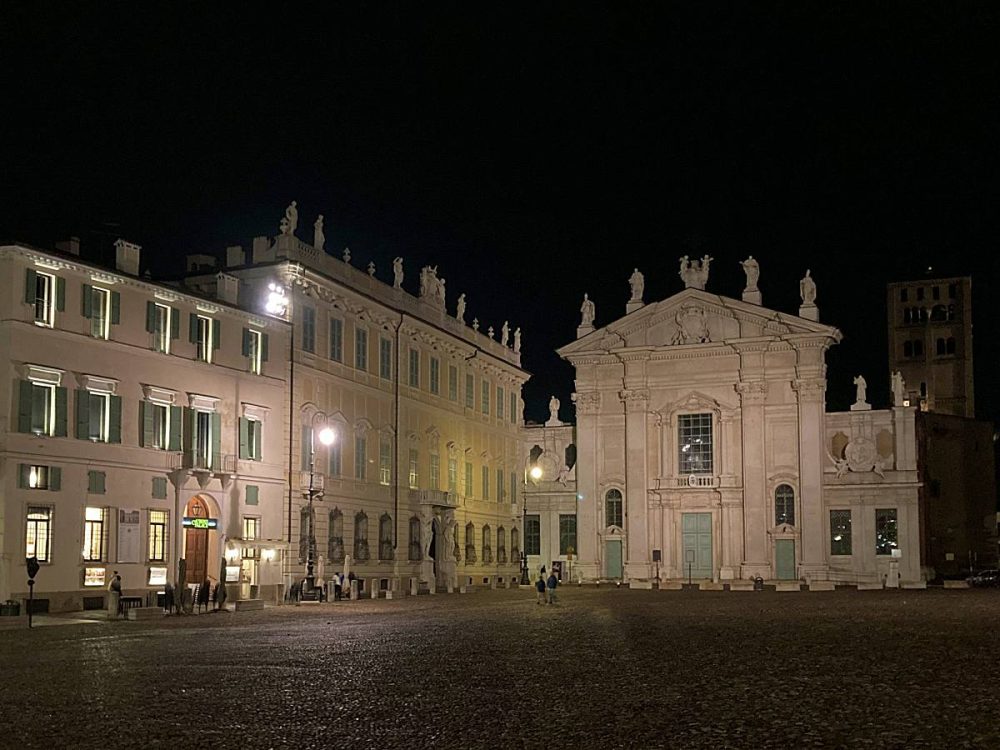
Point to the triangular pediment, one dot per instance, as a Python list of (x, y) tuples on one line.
[(696, 317)]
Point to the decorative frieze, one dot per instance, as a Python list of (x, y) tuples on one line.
[(752, 392), (811, 390), (587, 403), (635, 399)]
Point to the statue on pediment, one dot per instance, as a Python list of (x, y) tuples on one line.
[(431, 287), (319, 239), (752, 269), (504, 333), (862, 387), (637, 281), (587, 311), (397, 273), (517, 341), (692, 326), (807, 289), (898, 389), (460, 311), (694, 273), (291, 220)]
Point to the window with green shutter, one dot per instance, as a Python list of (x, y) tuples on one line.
[(96, 482), (160, 488), (35, 477), (253, 494), (41, 409)]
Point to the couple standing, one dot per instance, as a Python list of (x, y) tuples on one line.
[(542, 586)]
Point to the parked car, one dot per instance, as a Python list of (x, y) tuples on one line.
[(989, 578)]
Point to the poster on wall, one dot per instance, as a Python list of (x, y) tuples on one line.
[(129, 536)]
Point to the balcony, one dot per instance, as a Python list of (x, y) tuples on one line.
[(699, 481), (434, 497), (195, 461)]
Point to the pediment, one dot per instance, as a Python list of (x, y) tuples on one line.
[(692, 318)]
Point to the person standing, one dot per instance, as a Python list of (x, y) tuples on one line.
[(552, 583), (114, 596), (338, 581), (540, 588)]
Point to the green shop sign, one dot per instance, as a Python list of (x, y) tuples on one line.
[(200, 523)]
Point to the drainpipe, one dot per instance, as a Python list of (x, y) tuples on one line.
[(395, 447)]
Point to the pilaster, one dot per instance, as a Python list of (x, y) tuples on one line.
[(636, 403), (588, 406), (811, 398), (753, 396)]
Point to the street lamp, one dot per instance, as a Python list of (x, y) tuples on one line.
[(326, 437), (536, 474)]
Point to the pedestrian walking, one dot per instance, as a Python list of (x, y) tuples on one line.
[(168, 597), (338, 582), (540, 588), (552, 583)]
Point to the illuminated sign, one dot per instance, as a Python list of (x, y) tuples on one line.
[(93, 576), (200, 523), (157, 576)]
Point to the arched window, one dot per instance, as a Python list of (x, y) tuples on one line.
[(487, 544), (470, 543), (951, 312), (385, 537), (335, 541), (938, 312), (515, 544), (501, 545), (415, 551), (361, 537), (613, 509), (784, 505)]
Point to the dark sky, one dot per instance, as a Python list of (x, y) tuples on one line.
[(533, 152)]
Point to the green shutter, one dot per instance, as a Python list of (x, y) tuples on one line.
[(150, 317), (190, 422), (263, 347), (216, 333), (87, 302), (145, 424), (175, 323), (244, 437), (116, 308), (176, 428), (24, 407), (30, 285), (246, 342), (193, 328), (258, 430), (114, 419), (60, 293), (55, 478), (253, 494), (160, 488), (62, 398), (216, 440), (96, 482), (83, 414), (23, 470)]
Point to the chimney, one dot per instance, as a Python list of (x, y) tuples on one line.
[(71, 246), (227, 288), (235, 256), (127, 257), (262, 250), (200, 262)]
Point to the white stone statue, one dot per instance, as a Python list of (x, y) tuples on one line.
[(431, 287), (752, 269), (449, 539), (347, 255), (638, 283), (426, 531), (694, 273), (504, 333), (291, 221), (397, 273), (898, 389), (319, 239), (807, 289), (460, 311), (862, 386), (371, 268), (517, 341), (587, 311), (553, 409)]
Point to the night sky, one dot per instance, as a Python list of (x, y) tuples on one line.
[(532, 152)]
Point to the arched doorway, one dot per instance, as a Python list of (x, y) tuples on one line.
[(196, 541)]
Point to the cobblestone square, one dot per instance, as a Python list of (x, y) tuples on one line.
[(608, 668)]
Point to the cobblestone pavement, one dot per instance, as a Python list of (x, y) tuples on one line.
[(600, 669)]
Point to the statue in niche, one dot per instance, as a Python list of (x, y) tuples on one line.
[(426, 530), (517, 341), (807, 289), (397, 273), (587, 311), (504, 333), (694, 273), (638, 283), (553, 409), (319, 239), (460, 311), (898, 389), (291, 221), (449, 538), (862, 386), (752, 269)]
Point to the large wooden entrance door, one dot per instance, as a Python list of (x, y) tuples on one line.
[(196, 543), (784, 559), (613, 557), (696, 529)]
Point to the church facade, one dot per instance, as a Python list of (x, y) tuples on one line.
[(704, 450)]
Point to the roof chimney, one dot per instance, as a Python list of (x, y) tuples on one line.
[(71, 246), (227, 288), (200, 262), (235, 256), (127, 257), (262, 250)]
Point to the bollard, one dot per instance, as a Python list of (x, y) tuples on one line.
[(758, 584)]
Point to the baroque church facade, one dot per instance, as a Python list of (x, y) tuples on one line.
[(704, 450)]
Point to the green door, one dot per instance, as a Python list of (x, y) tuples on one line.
[(784, 558), (696, 530), (613, 557)]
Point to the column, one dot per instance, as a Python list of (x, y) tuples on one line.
[(639, 562), (756, 556), (812, 420), (588, 406)]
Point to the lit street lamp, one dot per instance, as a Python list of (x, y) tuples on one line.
[(326, 437), (536, 474)]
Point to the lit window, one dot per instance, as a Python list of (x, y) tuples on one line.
[(532, 535), (42, 408), (255, 351), (251, 434), (38, 536), (203, 338), (44, 299), (695, 444), (613, 508), (886, 531), (384, 462), (100, 312), (414, 470), (157, 535), (94, 534), (567, 534), (784, 505), (251, 532), (161, 327), (96, 410), (204, 457)]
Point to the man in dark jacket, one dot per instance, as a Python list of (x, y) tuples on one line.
[(540, 588), (553, 582)]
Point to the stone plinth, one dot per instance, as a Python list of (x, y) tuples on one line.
[(648, 585), (248, 605), (741, 585), (710, 586), (788, 586), (822, 586), (671, 585), (868, 586)]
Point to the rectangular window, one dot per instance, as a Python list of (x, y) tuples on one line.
[(500, 497), (435, 478), (158, 427), (360, 456), (94, 526), (38, 537), (159, 490), (99, 411), (157, 535), (255, 351), (161, 327), (385, 359), (414, 469), (414, 379), (453, 382), (470, 391), (203, 338), (452, 476), (254, 438), (43, 408), (361, 349), (335, 458), (435, 376), (336, 339), (485, 400), (97, 482), (903, 296), (500, 402), (468, 479), (935, 292), (694, 444), (886, 531), (567, 534), (45, 297), (384, 462), (486, 483), (309, 329), (840, 532), (532, 535), (513, 487), (203, 439), (35, 477), (920, 294), (952, 291), (252, 494), (513, 407), (100, 312), (251, 532)]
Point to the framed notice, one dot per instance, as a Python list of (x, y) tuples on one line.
[(232, 574), (93, 576), (129, 535), (157, 576)]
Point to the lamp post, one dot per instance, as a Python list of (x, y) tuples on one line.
[(326, 437), (535, 473)]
